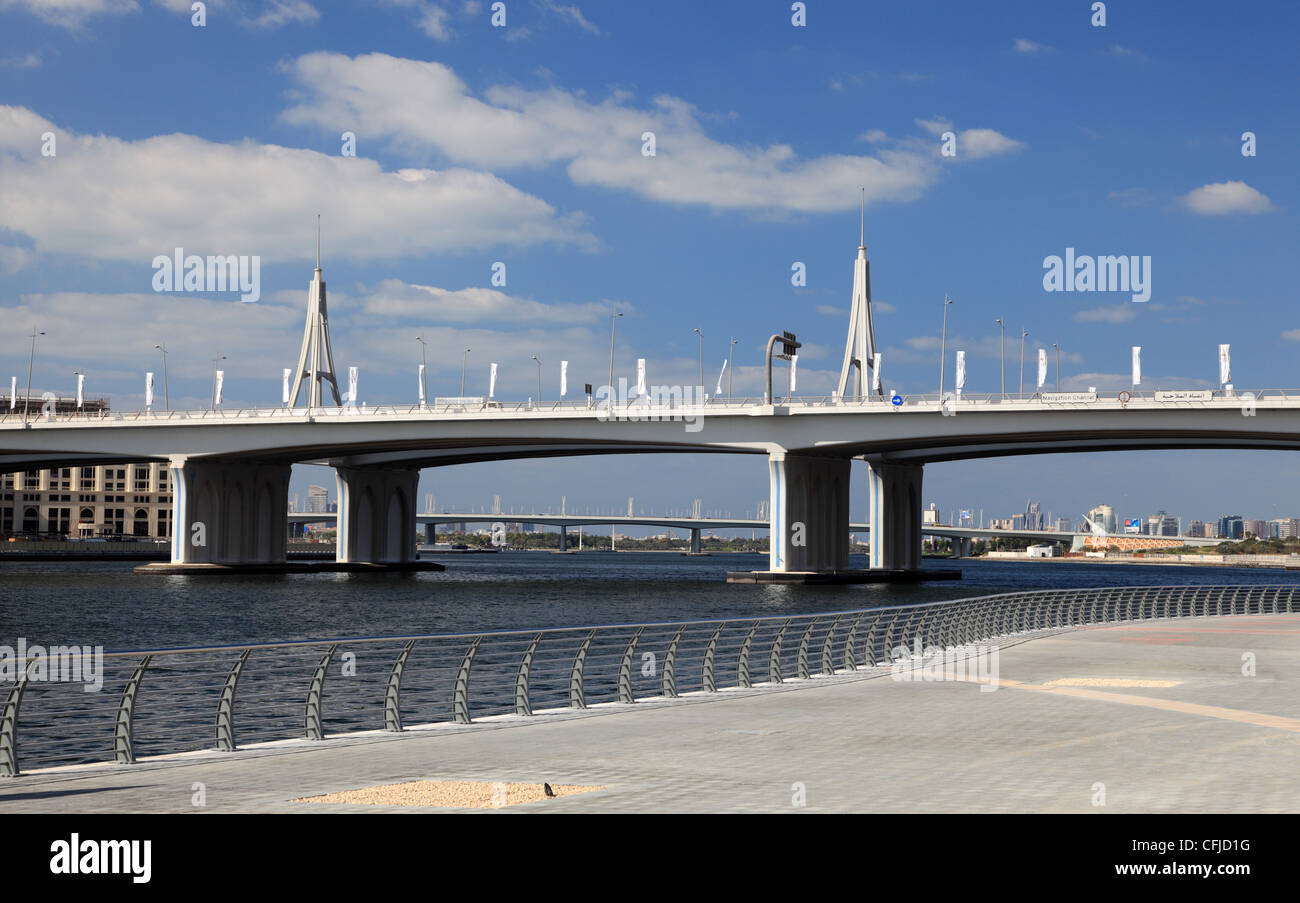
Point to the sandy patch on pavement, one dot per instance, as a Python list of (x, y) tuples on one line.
[(452, 794)]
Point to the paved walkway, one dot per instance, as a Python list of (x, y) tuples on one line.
[(1154, 717)]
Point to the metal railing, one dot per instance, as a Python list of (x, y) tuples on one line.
[(671, 404), (173, 700)]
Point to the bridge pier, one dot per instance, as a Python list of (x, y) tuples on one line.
[(376, 522), (695, 540), (895, 514), (430, 534), (564, 538), (229, 512)]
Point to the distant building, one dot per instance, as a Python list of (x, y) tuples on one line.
[(1063, 525), (1230, 526), (317, 499), (1033, 516), (931, 514), (1283, 528), (1104, 517), (1257, 528), (106, 500), (1196, 528)]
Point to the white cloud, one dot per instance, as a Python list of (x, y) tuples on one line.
[(13, 259), (130, 200), (423, 109), (395, 298), (1121, 50), (1220, 198), (433, 22), (1024, 45), (1292, 335), (71, 14), (26, 61), (284, 12), (935, 126), (981, 143), (1119, 313), (873, 136), (570, 13)]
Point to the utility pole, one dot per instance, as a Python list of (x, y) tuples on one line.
[(730, 369), (1058, 367), (699, 333), (464, 359), (1023, 332), (27, 398), (539, 379), (613, 320), (943, 345)]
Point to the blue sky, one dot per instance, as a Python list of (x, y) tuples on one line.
[(477, 144)]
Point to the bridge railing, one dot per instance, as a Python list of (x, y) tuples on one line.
[(166, 701), (595, 408)]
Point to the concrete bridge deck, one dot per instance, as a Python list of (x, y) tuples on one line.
[(1157, 712)]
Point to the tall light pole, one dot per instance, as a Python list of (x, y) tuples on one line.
[(539, 378), (1058, 367), (1003, 327), (424, 370), (216, 361), (32, 357), (167, 401), (730, 369), (613, 319), (943, 344), (697, 331), (464, 358), (1023, 332)]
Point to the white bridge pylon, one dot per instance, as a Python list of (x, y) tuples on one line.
[(860, 349)]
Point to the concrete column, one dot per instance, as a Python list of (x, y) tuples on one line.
[(695, 540), (430, 534), (809, 511), (564, 538), (376, 522), (894, 511), (228, 512)]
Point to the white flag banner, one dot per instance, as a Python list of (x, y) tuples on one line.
[(1137, 364), (721, 373), (421, 386), (794, 364), (13, 392), (640, 377), (492, 381), (961, 371), (875, 373), (1225, 366), (284, 385), (148, 391), (564, 378), (221, 380), (81, 389), (352, 385), (1042, 367)]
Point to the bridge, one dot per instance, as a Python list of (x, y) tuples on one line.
[(230, 469)]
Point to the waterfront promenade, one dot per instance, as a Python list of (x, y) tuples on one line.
[(1157, 716)]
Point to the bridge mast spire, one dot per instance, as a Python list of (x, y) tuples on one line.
[(860, 349), (316, 359)]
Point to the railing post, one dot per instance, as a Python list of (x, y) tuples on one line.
[(742, 664), (522, 704), (226, 706), (706, 674), (9, 725), (393, 692), (314, 731), (576, 696), (625, 670), (123, 733), (460, 702), (850, 659), (801, 660), (669, 685), (828, 660)]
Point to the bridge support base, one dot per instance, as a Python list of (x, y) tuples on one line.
[(229, 513), (376, 523), (894, 511)]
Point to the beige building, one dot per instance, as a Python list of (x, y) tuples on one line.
[(105, 500)]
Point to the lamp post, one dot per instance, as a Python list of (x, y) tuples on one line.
[(32, 357), (1023, 332), (943, 344), (1058, 367), (697, 331), (539, 378), (424, 370), (216, 361), (613, 320), (463, 359), (167, 401), (1003, 327), (730, 369)]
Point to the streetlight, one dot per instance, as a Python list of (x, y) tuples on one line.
[(539, 379), (697, 331), (730, 369), (28, 397), (424, 385), (943, 344), (613, 319), (464, 358), (216, 361), (166, 396), (1004, 353), (1058, 367), (1023, 332)]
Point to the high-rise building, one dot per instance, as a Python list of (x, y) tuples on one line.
[(1196, 528), (1283, 528), (317, 499), (1256, 528), (930, 515), (1063, 525), (1033, 516), (1104, 517), (1230, 527)]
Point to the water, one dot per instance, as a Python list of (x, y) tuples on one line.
[(104, 603)]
